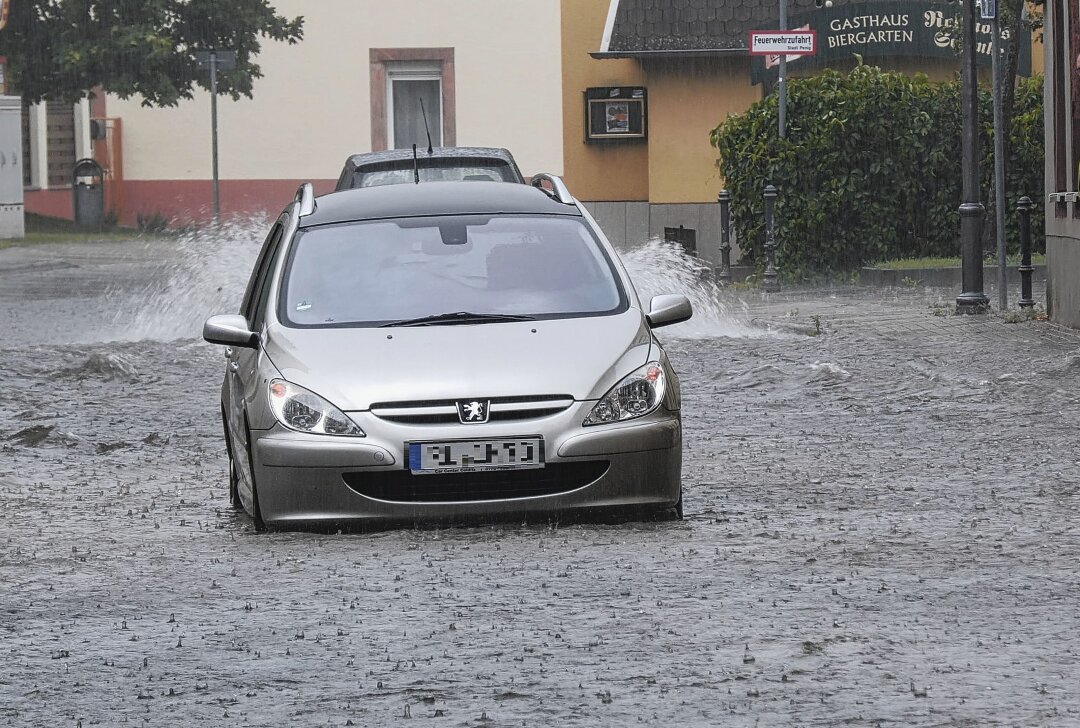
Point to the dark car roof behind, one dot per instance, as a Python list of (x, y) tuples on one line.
[(433, 198), (389, 155), (358, 162)]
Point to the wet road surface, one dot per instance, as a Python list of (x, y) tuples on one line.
[(881, 529)]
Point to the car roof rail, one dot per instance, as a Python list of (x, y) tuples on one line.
[(305, 195), (559, 191)]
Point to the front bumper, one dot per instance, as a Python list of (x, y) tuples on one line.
[(302, 478)]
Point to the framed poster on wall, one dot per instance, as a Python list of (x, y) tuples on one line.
[(616, 114)]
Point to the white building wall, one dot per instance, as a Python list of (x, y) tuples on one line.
[(312, 107)]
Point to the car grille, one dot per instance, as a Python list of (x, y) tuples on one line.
[(401, 486), (444, 411)]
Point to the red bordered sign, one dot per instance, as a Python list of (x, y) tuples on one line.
[(783, 42)]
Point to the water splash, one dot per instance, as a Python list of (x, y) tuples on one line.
[(828, 373), (104, 365), (204, 272), (659, 267), (197, 274)]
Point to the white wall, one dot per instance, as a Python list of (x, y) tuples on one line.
[(312, 107)]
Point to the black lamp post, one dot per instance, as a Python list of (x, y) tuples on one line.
[(972, 299)]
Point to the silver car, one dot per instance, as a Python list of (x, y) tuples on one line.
[(445, 350)]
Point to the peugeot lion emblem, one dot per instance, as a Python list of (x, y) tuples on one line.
[(473, 411)]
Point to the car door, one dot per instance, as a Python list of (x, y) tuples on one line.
[(241, 370)]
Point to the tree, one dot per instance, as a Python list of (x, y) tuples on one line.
[(61, 49)]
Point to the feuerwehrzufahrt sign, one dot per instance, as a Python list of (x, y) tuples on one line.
[(787, 42)]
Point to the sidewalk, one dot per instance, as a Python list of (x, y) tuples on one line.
[(926, 313)]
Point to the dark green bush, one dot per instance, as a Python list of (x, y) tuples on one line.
[(870, 169)]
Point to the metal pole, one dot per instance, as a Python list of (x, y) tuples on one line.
[(999, 166), (782, 76), (770, 279), (1026, 269), (213, 132), (972, 299), (724, 274)]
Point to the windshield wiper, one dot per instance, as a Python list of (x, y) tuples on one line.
[(459, 317)]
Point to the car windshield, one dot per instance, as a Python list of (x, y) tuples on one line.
[(390, 271), (434, 170)]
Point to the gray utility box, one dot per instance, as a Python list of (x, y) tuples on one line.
[(12, 220)]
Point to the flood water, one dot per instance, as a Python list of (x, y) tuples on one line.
[(881, 529)]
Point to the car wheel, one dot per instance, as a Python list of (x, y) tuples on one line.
[(256, 511)]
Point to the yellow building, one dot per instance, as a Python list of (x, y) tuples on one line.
[(688, 63)]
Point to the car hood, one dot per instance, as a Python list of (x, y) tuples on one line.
[(355, 367)]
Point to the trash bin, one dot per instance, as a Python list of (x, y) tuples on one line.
[(88, 193)]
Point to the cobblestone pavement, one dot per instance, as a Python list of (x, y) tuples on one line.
[(881, 530)]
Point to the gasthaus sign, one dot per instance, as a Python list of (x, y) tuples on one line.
[(883, 29)]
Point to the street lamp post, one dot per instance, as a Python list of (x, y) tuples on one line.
[(215, 60), (999, 164), (972, 299), (213, 133), (1026, 269), (724, 274), (781, 79), (770, 279)]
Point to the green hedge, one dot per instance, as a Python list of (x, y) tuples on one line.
[(870, 169)]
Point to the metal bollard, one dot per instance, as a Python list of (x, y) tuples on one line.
[(770, 281), (724, 274), (1023, 206)]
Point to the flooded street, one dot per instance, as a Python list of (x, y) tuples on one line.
[(882, 527)]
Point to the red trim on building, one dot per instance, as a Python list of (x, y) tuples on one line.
[(50, 203), (184, 202)]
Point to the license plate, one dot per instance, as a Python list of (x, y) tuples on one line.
[(463, 456)]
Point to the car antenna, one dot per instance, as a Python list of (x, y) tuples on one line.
[(415, 165), (423, 112)]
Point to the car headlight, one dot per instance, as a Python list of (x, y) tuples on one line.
[(304, 411), (635, 396)]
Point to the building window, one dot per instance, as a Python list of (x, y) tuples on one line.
[(414, 104), (402, 78), (60, 142)]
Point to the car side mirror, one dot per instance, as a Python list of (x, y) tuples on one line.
[(671, 308), (230, 329)]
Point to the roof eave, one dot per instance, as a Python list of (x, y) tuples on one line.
[(682, 53)]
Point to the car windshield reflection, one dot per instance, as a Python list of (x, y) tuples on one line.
[(384, 272)]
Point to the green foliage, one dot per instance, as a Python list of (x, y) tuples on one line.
[(869, 170), (1025, 162), (61, 49)]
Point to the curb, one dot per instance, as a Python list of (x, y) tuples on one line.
[(939, 277)]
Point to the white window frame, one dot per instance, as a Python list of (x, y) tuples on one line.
[(84, 145), (39, 152), (412, 71)]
